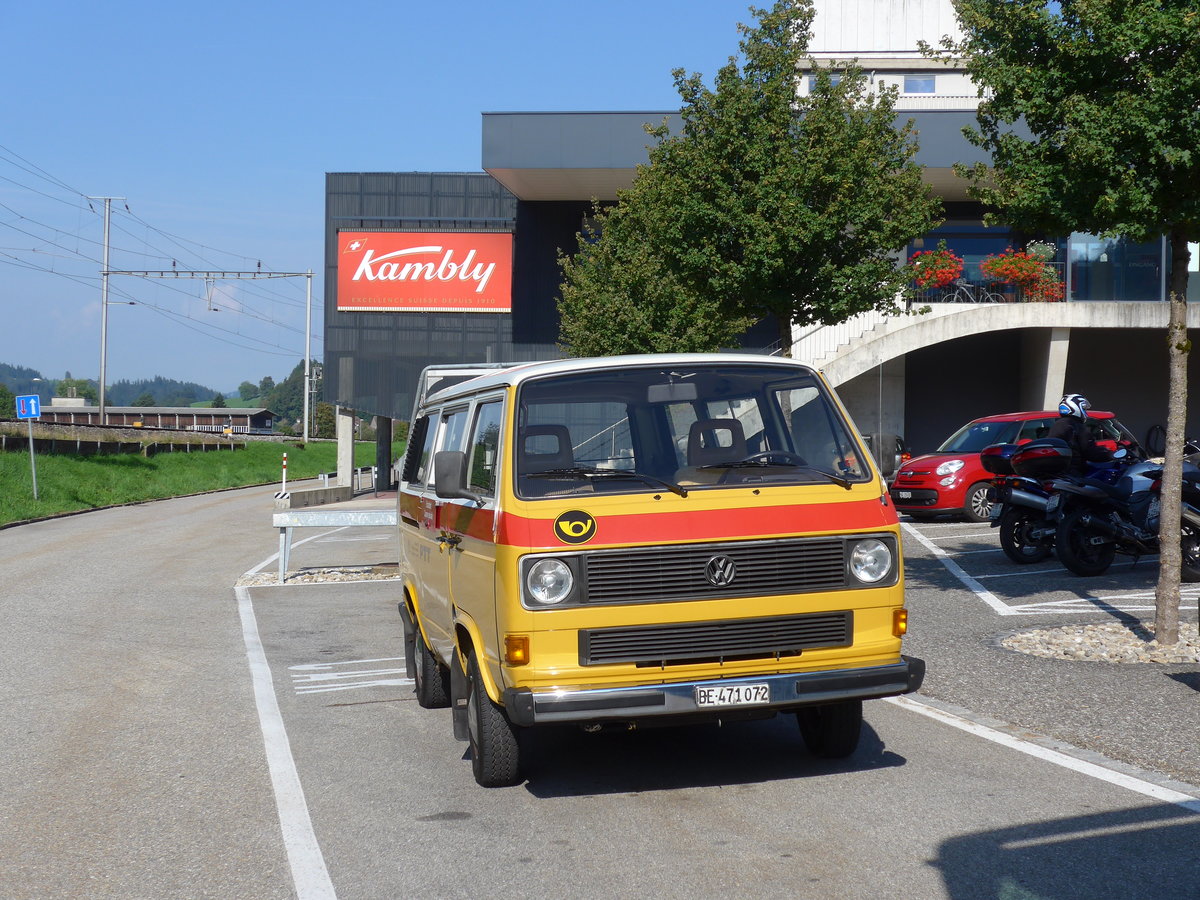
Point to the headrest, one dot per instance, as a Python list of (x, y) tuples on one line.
[(544, 447), (716, 441)]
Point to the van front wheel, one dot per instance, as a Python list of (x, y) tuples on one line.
[(495, 750), (831, 730)]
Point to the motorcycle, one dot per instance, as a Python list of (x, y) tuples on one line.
[(1018, 507), (1096, 519), (1020, 495)]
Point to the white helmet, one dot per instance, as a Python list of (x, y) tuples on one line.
[(1074, 405)]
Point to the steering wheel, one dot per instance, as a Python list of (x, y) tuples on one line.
[(766, 456)]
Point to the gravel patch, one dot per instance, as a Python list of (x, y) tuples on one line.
[(322, 576), (1111, 642)]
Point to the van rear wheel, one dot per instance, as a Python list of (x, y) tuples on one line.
[(831, 730), (431, 681), (495, 750)]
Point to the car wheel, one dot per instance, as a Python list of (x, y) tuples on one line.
[(431, 681), (977, 507), (831, 730), (495, 750)]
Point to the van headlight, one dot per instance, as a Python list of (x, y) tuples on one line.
[(870, 560), (549, 582)]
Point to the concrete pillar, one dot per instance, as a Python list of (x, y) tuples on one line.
[(345, 446), (1044, 353)]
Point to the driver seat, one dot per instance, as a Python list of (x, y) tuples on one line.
[(710, 442)]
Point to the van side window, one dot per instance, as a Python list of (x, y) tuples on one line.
[(422, 462), (454, 430), (483, 454)]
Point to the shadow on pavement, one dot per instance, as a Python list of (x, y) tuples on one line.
[(1138, 854), (568, 763)]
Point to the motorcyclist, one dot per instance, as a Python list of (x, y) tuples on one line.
[(1072, 427)]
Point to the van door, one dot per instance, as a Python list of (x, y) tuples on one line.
[(429, 566), (471, 524)]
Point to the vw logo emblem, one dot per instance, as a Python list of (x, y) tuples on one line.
[(720, 571)]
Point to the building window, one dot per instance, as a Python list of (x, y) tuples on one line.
[(919, 84), (834, 79)]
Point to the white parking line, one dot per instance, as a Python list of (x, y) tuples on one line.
[(310, 877), (1141, 786), (958, 572)]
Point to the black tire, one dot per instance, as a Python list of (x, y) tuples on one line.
[(431, 683), (495, 749), (410, 643), (1189, 547), (1015, 524), (1076, 553), (977, 507), (831, 731)]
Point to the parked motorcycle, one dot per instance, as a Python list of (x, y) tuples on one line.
[(1096, 519), (1018, 507)]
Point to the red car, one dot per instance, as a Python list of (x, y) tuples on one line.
[(952, 480)]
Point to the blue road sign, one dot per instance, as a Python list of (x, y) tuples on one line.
[(29, 406)]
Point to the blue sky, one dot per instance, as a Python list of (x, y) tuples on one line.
[(217, 121)]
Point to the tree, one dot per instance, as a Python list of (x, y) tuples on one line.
[(325, 421), (266, 386), (146, 399), (767, 205), (247, 391), (1108, 92), (76, 387), (218, 401), (8, 403)]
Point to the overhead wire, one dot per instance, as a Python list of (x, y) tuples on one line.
[(249, 291)]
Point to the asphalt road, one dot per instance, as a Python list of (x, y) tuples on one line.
[(169, 734)]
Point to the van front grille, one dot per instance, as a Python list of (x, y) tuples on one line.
[(678, 571), (778, 636)]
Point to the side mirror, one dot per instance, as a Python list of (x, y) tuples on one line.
[(450, 476)]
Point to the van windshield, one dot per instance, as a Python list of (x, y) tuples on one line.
[(680, 428)]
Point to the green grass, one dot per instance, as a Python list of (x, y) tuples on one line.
[(71, 483)]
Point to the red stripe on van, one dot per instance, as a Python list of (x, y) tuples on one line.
[(468, 520), (706, 525)]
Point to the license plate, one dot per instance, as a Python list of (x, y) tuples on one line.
[(733, 695), (904, 495)]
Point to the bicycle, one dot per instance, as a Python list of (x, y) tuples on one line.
[(969, 292)]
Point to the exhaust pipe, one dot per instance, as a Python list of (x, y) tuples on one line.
[(1032, 501)]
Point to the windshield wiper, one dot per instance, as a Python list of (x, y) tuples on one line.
[(593, 472), (758, 463)]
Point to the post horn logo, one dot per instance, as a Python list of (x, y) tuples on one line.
[(575, 527)]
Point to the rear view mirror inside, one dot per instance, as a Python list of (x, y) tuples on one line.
[(673, 392)]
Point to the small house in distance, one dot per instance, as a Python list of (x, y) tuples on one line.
[(75, 411)]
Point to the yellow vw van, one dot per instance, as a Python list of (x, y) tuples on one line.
[(646, 540)]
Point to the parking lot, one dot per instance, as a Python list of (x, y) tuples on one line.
[(971, 552)]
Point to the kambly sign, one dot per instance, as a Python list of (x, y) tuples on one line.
[(424, 271)]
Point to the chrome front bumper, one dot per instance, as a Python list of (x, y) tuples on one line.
[(525, 707)]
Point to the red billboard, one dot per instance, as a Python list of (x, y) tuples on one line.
[(424, 271)]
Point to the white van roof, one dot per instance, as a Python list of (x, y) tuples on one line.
[(503, 375)]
